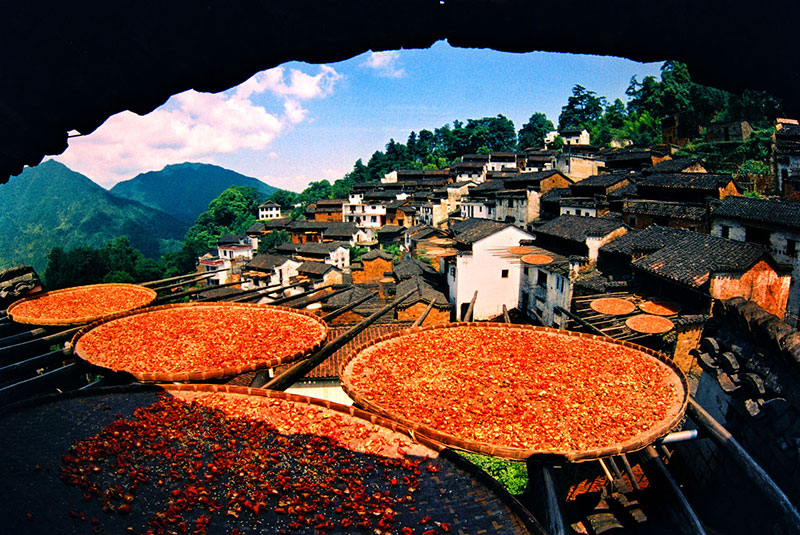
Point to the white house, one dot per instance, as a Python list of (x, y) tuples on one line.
[(271, 270), (484, 264), (432, 213), (269, 210), (363, 213), (545, 286), (334, 253)]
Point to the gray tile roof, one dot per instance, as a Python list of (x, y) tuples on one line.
[(422, 291), (703, 181), (773, 212), (314, 268), (676, 210), (320, 248), (649, 240), (676, 165), (576, 228), (694, 257), (471, 230), (266, 262)]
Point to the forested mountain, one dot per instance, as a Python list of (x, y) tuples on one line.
[(185, 190), (52, 206)]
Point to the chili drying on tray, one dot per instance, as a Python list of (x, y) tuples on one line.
[(200, 341), (517, 391), (81, 304), (214, 459), (612, 306)]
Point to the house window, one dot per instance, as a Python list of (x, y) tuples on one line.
[(504, 274), (453, 271), (525, 271), (725, 232), (791, 248), (541, 279), (373, 219), (560, 283)]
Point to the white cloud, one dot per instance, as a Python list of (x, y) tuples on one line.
[(385, 64), (196, 126)]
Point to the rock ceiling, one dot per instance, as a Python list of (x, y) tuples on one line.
[(71, 65)]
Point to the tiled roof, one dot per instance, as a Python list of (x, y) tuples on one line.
[(330, 203), (651, 239), (269, 204), (376, 253), (339, 229), (266, 262), (601, 181), (691, 259), (287, 247), (676, 165), (314, 268), (704, 181), (782, 213), (320, 248), (231, 239), (307, 225), (422, 290), (409, 267), (472, 230), (279, 222), (390, 229), (676, 210), (555, 194), (256, 228), (576, 228)]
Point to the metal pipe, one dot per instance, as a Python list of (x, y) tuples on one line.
[(751, 468), (688, 518), (424, 314), (339, 311), (298, 370)]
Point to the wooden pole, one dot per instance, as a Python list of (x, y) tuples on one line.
[(22, 337), (471, 309), (300, 369), (751, 468), (288, 298), (339, 311), (265, 290), (305, 301), (689, 522), (150, 284), (179, 295), (506, 317), (424, 314), (586, 324)]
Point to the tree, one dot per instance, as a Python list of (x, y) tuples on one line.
[(272, 240), (232, 212), (532, 133), (583, 109), (284, 198)]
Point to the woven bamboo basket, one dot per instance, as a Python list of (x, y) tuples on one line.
[(160, 375), (637, 442), (18, 315)]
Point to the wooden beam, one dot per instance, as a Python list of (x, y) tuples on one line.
[(758, 477), (288, 298), (339, 311), (232, 297), (305, 301), (151, 284), (19, 338), (179, 295), (687, 519), (471, 309), (424, 314), (506, 317), (300, 369), (192, 280), (580, 321)]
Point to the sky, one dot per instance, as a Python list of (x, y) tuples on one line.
[(301, 122)]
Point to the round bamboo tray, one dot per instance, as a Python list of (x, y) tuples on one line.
[(520, 250), (649, 324), (612, 306), (214, 339), (139, 296), (521, 390), (537, 259), (660, 308), (46, 439)]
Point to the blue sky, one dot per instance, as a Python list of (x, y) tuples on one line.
[(300, 122)]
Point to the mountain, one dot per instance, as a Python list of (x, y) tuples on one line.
[(50, 205), (184, 190)]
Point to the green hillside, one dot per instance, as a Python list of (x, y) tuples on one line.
[(184, 190), (50, 205)]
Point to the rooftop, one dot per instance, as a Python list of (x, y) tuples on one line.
[(774, 212), (676, 210), (470, 231), (704, 181), (694, 257), (267, 262), (576, 228), (651, 239)]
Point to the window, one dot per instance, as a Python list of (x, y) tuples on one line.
[(560, 283), (373, 219), (725, 231), (791, 248), (541, 279), (504, 274), (525, 271)]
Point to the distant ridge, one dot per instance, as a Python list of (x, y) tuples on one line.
[(185, 190), (52, 206)]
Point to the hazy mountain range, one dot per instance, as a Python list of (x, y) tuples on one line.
[(52, 206)]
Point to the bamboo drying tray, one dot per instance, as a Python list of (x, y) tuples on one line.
[(40, 432), (175, 342), (612, 306), (17, 309), (642, 439)]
